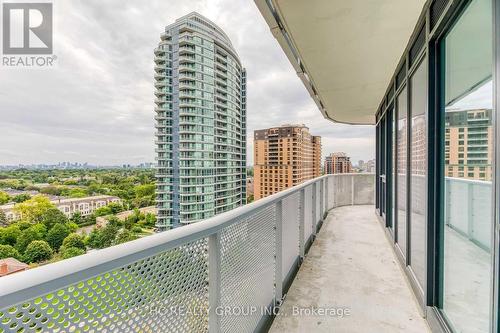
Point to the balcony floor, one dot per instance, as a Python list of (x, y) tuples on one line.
[(351, 265)]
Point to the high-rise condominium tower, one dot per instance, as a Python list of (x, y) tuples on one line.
[(284, 156), (469, 148), (338, 163), (201, 121)]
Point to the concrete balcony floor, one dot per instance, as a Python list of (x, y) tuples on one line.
[(351, 265)]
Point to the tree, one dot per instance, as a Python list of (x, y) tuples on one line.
[(122, 193), (109, 233), (113, 220), (144, 179), (133, 218), (74, 240), (52, 216), (100, 238), (115, 207), (8, 251), (9, 235), (250, 198), (129, 222), (34, 209), (125, 236), (69, 252), (78, 193), (27, 236), (56, 235), (72, 226), (250, 171), (52, 190), (94, 239), (23, 224), (32, 188), (21, 198), (40, 229), (88, 220), (37, 251), (4, 198), (103, 211), (76, 217), (143, 201), (3, 218), (144, 190), (149, 220)]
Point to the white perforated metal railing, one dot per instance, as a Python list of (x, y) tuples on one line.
[(224, 274), (468, 209)]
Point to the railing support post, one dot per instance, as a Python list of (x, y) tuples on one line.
[(314, 210), (278, 274), (321, 199), (302, 215), (327, 199), (213, 282), (448, 201), (470, 211), (352, 190)]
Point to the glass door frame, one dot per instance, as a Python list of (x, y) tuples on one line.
[(436, 188), (389, 168), (384, 181)]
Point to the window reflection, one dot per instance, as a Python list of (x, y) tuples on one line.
[(468, 148), (401, 168), (418, 156)]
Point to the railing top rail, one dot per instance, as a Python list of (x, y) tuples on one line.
[(19, 287), (470, 181)]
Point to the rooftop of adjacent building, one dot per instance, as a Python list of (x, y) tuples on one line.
[(63, 200), (11, 265), (91, 198), (215, 30), (338, 154), (285, 130), (197, 15)]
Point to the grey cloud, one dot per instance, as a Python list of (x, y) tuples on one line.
[(97, 105)]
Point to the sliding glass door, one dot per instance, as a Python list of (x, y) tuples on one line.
[(401, 167), (467, 154), (418, 171), (385, 167), (391, 171)]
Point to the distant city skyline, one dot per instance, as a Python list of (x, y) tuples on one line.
[(103, 114), (73, 165)]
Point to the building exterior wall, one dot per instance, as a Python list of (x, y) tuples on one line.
[(370, 166), (338, 163), (284, 157), (316, 155), (469, 144), (201, 121)]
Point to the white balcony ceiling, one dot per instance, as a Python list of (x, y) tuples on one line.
[(348, 49)]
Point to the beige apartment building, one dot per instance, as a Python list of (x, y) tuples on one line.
[(338, 162), (469, 144), (69, 206), (284, 156)]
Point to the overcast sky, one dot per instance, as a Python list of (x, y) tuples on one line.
[(97, 106)]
